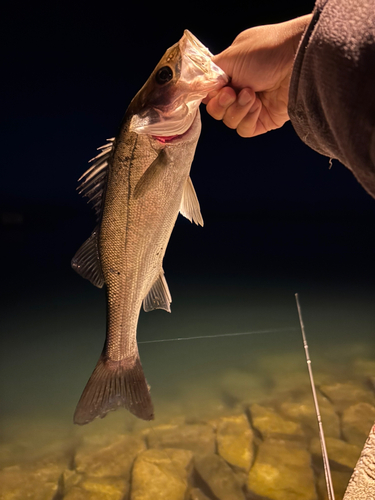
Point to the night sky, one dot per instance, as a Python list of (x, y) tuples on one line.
[(272, 207)]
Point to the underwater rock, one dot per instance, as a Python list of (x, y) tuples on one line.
[(161, 474), (239, 386), (343, 395), (197, 494), (340, 480), (199, 438), (339, 452), (70, 478), (235, 441), (272, 425), (114, 459), (98, 488), (304, 412), (285, 373), (200, 402), (218, 477), (39, 481), (8, 455), (364, 367), (290, 382), (356, 423), (282, 471)]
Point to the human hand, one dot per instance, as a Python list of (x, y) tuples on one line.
[(259, 63)]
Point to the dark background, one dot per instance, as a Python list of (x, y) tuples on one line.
[(273, 208)]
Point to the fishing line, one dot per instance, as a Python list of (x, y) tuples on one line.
[(255, 332)]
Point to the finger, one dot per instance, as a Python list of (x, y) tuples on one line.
[(239, 109), (217, 106), (250, 125), (210, 96)]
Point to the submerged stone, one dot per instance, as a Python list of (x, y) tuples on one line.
[(70, 478), (282, 471), (98, 488), (199, 438), (272, 425), (40, 481), (340, 453), (218, 477), (115, 459), (235, 441), (304, 412), (356, 423), (240, 386), (364, 367), (347, 394), (161, 475), (197, 494)]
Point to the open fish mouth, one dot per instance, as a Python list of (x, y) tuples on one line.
[(198, 75), (197, 60)]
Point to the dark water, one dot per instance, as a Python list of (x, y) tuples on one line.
[(233, 276)]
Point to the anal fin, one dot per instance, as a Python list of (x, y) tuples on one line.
[(86, 261), (159, 296)]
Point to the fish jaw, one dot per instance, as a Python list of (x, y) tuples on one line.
[(170, 110)]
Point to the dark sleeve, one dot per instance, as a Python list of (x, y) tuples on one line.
[(332, 90)]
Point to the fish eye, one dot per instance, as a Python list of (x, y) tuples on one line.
[(164, 75)]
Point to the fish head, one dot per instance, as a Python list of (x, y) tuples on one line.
[(168, 102)]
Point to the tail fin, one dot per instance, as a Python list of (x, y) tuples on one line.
[(113, 384)]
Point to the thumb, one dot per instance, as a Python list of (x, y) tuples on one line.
[(224, 61)]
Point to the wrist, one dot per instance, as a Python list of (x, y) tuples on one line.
[(295, 29)]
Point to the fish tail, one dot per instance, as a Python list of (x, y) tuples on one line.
[(113, 384)]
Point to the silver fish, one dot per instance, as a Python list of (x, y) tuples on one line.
[(138, 184)]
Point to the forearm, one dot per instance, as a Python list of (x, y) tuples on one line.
[(331, 96)]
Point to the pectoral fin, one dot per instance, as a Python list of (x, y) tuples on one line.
[(152, 175), (190, 205), (159, 296), (86, 261)]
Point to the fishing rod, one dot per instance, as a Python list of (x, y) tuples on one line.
[(327, 470)]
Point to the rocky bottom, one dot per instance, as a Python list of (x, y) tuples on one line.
[(255, 439)]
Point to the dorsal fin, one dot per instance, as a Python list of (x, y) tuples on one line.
[(190, 205), (95, 178), (159, 297)]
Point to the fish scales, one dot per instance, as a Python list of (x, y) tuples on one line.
[(139, 247), (138, 184)]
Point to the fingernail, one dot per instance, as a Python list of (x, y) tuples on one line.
[(225, 99), (244, 97)]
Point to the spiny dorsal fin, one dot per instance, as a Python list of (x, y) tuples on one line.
[(86, 261), (152, 175), (190, 205), (159, 296), (95, 178)]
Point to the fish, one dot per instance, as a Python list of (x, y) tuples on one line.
[(138, 184)]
